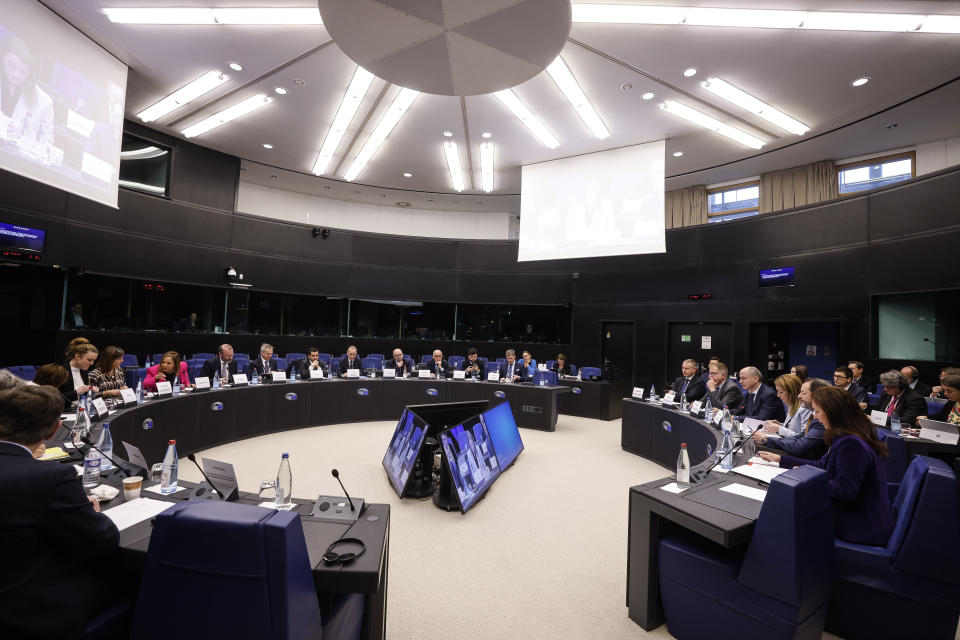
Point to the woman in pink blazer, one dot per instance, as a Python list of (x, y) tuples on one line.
[(166, 371)]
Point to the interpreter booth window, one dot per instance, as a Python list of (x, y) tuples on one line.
[(733, 202), (125, 304), (428, 321), (918, 326), (378, 318), (873, 173), (144, 166), (305, 315), (519, 323)]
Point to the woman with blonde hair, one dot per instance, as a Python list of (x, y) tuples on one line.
[(788, 390), (80, 357)]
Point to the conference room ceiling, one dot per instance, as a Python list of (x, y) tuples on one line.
[(807, 74)]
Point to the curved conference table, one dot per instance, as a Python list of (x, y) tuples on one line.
[(655, 432)]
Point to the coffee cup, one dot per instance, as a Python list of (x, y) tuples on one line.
[(131, 487)]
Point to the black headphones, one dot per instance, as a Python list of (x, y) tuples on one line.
[(332, 557)]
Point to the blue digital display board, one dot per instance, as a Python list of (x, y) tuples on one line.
[(20, 238), (779, 277)]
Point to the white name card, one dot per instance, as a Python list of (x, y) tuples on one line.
[(100, 406), (316, 373), (669, 396), (134, 455), (695, 407), (279, 376), (239, 378), (129, 396), (202, 382), (164, 388), (878, 418), (423, 373), (459, 375), (353, 373), (718, 417), (637, 393), (493, 376), (390, 372), (541, 366)]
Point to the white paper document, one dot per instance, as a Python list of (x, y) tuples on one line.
[(762, 472), (747, 492), (673, 487), (136, 511), (878, 418)]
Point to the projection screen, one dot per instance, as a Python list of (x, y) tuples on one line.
[(601, 204)]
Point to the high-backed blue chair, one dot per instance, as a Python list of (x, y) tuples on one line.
[(426, 358), (28, 371), (586, 372), (203, 356), (253, 578), (335, 366), (550, 378), (378, 356), (872, 398), (490, 367), (294, 356), (483, 360), (371, 363), (15, 371), (130, 360), (324, 358), (909, 588), (455, 361), (573, 369), (934, 405), (777, 587), (551, 364), (895, 464), (156, 358)]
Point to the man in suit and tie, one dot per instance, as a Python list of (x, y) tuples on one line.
[(262, 363), (723, 391), (398, 364), (511, 370), (223, 365), (350, 361), (705, 376), (311, 363), (57, 550), (843, 378), (898, 396), (860, 378), (912, 374), (689, 383), (472, 366), (438, 366), (760, 401)]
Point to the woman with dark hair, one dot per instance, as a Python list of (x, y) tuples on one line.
[(858, 481), (170, 367), (107, 372), (52, 375), (800, 371), (561, 366), (26, 108), (950, 412)]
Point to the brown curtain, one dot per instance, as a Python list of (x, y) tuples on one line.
[(685, 207), (798, 186)]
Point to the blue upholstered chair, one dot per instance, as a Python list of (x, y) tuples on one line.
[(378, 356), (334, 366), (324, 358), (895, 464), (872, 398), (372, 363), (130, 360), (490, 367), (156, 358), (551, 364), (239, 571), (777, 587), (934, 405), (426, 358), (909, 588), (293, 357), (586, 372), (203, 356), (28, 371), (455, 361), (550, 378), (573, 369)]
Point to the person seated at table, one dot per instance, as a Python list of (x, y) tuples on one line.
[(800, 371), (722, 391), (689, 382), (950, 412), (808, 441), (912, 374), (705, 376), (529, 363), (859, 378), (80, 357), (51, 375), (312, 362), (398, 364), (511, 370), (858, 481), (169, 369), (438, 366), (898, 396), (57, 550), (263, 363), (9, 381), (222, 365), (760, 401), (843, 379), (350, 361), (937, 391), (472, 366), (107, 372), (561, 366), (788, 388)]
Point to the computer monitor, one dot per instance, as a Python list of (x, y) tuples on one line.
[(441, 415), (400, 458), (470, 460), (504, 434)]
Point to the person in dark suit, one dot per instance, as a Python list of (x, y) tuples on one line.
[(723, 391), (223, 365), (689, 383), (439, 368), (808, 443), (912, 374), (81, 357), (950, 412), (860, 378), (705, 376), (561, 366), (511, 370), (759, 400), (399, 364), (843, 378), (263, 364), (858, 481), (56, 550), (312, 362), (350, 361), (472, 366), (899, 397)]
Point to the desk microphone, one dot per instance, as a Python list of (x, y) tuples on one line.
[(697, 477), (86, 440), (336, 474), (226, 498)]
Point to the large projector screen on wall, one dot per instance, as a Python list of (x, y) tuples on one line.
[(61, 103), (600, 204)]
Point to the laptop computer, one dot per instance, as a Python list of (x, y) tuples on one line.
[(943, 432)]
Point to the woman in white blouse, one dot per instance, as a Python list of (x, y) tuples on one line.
[(788, 390)]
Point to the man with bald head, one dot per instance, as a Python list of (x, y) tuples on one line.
[(438, 366), (222, 365), (398, 363), (759, 400)]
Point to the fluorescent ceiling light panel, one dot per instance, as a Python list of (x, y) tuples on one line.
[(204, 84), (452, 152), (524, 115), (754, 18), (560, 73), (144, 153), (387, 122), (139, 186), (216, 15), (486, 166), (628, 14), (941, 24), (345, 113), (708, 122), (840, 21), (730, 93), (228, 114)]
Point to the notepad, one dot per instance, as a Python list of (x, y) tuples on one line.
[(761, 472), (747, 492), (127, 514), (54, 453), (673, 487)]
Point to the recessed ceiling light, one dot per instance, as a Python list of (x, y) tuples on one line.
[(280, 91), (452, 152), (407, 175), (448, 134), (524, 115), (236, 66), (628, 14), (626, 86), (859, 82), (402, 203), (571, 89), (299, 82), (723, 89), (647, 96), (708, 122), (349, 105), (389, 120), (204, 84), (216, 15), (267, 145), (231, 113), (689, 72), (486, 134), (677, 154)]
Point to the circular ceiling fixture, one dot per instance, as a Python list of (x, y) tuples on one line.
[(453, 47)]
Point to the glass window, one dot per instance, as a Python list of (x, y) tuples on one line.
[(919, 326), (733, 201), (428, 320), (378, 318), (521, 323), (305, 315), (144, 166), (875, 172)]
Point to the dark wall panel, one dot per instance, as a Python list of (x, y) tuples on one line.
[(904, 210)]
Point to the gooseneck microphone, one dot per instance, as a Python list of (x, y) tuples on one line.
[(698, 476), (86, 440), (336, 474), (192, 458)]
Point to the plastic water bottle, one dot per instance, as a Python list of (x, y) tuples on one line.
[(726, 422), (543, 381), (168, 473), (254, 378), (683, 403), (106, 445), (653, 393), (176, 386), (683, 466), (707, 410), (148, 365), (895, 425), (284, 482), (216, 382), (81, 425), (88, 400), (139, 392), (726, 458), (91, 469)]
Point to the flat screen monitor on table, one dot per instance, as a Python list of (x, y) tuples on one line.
[(470, 460), (404, 447), (504, 434)]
